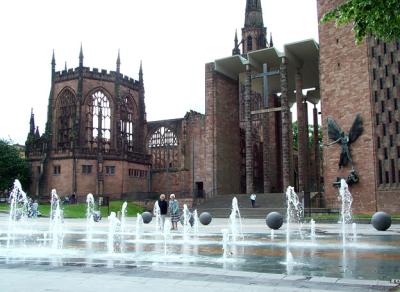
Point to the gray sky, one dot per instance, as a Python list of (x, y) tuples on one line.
[(174, 39)]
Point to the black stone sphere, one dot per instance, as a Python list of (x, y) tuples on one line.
[(381, 221), (147, 217), (274, 220), (205, 218)]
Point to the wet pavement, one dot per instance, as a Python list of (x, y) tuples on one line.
[(368, 263)]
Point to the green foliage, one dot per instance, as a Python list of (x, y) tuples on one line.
[(379, 18), (12, 166), (79, 210), (295, 129)]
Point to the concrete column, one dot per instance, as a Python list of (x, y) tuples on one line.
[(248, 134), (285, 125), (316, 149), (266, 153), (301, 140)]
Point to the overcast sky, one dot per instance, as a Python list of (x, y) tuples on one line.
[(174, 39)]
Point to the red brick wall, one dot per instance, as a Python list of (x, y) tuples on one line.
[(222, 134), (345, 91)]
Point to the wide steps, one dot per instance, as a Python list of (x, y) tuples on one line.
[(220, 206)]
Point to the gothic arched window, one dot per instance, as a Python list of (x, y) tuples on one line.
[(66, 113), (163, 148), (249, 43), (98, 120), (128, 122)]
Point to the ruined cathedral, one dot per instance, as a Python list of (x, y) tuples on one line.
[(98, 140)]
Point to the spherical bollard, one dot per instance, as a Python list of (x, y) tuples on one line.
[(147, 217), (381, 221), (205, 218), (274, 220)]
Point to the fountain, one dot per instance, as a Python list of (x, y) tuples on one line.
[(113, 224), (19, 209), (235, 221), (56, 222), (118, 244), (139, 226), (294, 212), (312, 230), (196, 223), (89, 219), (354, 228), (345, 214), (157, 215), (186, 222)]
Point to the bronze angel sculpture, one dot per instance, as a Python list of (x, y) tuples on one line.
[(336, 134)]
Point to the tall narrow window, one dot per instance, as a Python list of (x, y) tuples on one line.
[(163, 148), (249, 43), (66, 114), (128, 122), (98, 121)]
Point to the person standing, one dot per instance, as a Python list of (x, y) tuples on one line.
[(163, 204), (253, 200), (174, 211)]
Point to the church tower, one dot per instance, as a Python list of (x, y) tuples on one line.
[(254, 33)]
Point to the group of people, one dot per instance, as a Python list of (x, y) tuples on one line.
[(171, 207)]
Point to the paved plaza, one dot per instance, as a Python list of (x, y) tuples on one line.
[(171, 277)]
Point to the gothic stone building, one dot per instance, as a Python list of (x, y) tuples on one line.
[(97, 139)]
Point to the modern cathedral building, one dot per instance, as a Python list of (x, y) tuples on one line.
[(97, 138)]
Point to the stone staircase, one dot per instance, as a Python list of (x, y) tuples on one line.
[(220, 206)]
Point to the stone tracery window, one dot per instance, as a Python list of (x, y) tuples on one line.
[(163, 148), (66, 113), (249, 43), (98, 120), (128, 122)]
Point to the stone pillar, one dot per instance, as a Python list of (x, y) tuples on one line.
[(292, 178), (316, 149), (285, 125), (266, 153), (248, 134), (301, 139)]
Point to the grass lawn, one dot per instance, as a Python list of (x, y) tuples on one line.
[(79, 210)]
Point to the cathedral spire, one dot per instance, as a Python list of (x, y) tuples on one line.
[(271, 43), (254, 33), (81, 57), (254, 17), (32, 123), (236, 50), (65, 66), (141, 72), (118, 62), (53, 63)]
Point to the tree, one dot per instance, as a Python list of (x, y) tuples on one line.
[(295, 129), (12, 166), (379, 18)]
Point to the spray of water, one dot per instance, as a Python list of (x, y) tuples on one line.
[(345, 214), (186, 222), (195, 223), (235, 221), (19, 209), (139, 226), (56, 222), (113, 224), (89, 219), (123, 216), (157, 215)]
